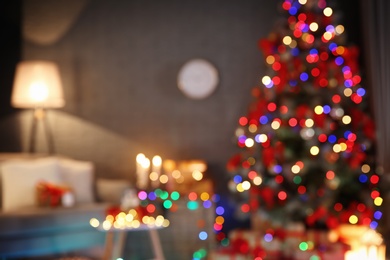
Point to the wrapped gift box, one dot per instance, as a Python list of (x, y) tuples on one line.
[(226, 255)]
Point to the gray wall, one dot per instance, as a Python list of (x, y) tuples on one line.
[(119, 62)]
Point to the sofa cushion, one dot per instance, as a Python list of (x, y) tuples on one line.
[(79, 175), (20, 177), (16, 156)]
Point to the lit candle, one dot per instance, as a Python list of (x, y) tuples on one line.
[(157, 162), (142, 170), (139, 159), (145, 174), (156, 171)]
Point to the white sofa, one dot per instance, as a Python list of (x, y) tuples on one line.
[(29, 230)]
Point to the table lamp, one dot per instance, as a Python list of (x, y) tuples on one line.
[(37, 85)]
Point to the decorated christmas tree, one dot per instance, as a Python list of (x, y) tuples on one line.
[(307, 142)]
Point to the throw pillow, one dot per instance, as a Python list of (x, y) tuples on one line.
[(79, 175), (19, 178)]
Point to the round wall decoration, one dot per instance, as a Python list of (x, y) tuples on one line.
[(197, 79)]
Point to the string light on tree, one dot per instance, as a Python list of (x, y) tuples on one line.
[(308, 140)]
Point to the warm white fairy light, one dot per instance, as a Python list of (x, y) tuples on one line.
[(309, 122), (275, 124), (270, 59), (252, 128), (164, 179), (246, 185), (129, 217), (240, 188), (348, 92), (287, 40), (314, 150), (266, 80), (318, 110), (336, 148), (378, 201), (94, 222), (261, 138), (353, 219), (132, 212), (346, 119), (147, 220), (107, 225), (249, 142), (339, 29), (153, 176), (135, 224), (295, 169), (327, 36), (328, 11), (366, 168), (120, 216), (123, 221), (257, 180), (343, 146), (313, 26), (159, 221)]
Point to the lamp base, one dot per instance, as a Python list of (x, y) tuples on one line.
[(39, 117)]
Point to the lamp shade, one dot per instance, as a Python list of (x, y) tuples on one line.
[(37, 84)]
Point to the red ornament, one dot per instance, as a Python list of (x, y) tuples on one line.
[(279, 151), (267, 47), (268, 196), (357, 117), (350, 56), (319, 120), (357, 157), (332, 222), (369, 128), (283, 75), (268, 156), (234, 162), (344, 216), (302, 111)]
